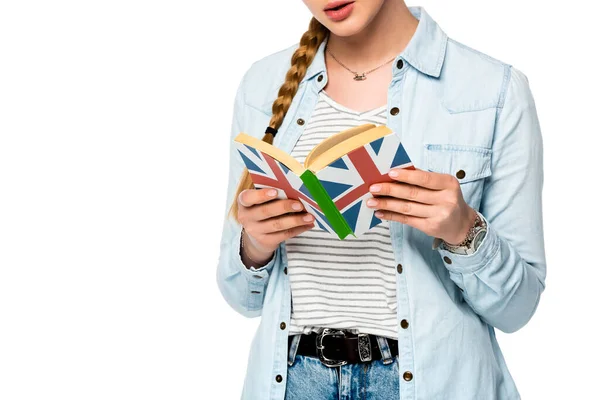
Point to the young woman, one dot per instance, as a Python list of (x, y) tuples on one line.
[(409, 309)]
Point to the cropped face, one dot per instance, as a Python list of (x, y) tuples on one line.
[(344, 17)]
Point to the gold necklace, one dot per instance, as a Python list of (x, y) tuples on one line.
[(357, 76)]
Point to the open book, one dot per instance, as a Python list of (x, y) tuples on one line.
[(333, 184)]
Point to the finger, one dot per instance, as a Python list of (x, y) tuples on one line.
[(405, 191), (280, 236), (416, 222), (284, 222), (250, 197), (275, 208), (419, 177), (402, 206)]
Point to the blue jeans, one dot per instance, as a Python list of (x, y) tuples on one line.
[(309, 379)]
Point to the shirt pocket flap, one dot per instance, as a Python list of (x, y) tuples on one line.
[(466, 163)]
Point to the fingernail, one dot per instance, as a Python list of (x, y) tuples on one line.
[(378, 214), (308, 218), (375, 188), (393, 173), (272, 192), (371, 202), (297, 206)]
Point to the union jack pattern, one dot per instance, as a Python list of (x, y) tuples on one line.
[(266, 172), (346, 180)]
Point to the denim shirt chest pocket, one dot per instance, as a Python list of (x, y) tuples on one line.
[(470, 165)]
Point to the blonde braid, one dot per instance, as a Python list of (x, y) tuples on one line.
[(301, 59)]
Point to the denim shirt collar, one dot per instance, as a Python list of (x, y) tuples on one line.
[(425, 50)]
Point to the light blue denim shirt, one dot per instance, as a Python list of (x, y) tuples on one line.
[(459, 110)]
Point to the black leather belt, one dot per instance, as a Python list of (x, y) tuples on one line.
[(335, 347)]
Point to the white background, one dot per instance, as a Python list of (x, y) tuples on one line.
[(110, 208)]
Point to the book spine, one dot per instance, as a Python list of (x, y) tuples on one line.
[(319, 194)]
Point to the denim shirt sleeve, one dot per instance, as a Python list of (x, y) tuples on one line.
[(503, 280), (243, 288)]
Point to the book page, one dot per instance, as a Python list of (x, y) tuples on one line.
[(272, 151), (339, 149), (334, 140)]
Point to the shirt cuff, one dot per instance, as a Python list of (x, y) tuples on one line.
[(467, 263), (253, 274)]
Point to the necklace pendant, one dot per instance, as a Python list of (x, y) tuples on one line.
[(361, 77)]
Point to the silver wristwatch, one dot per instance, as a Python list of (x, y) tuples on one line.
[(474, 238)]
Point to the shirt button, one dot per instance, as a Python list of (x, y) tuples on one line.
[(320, 78), (300, 121), (399, 268), (448, 260), (407, 376), (278, 378), (404, 324), (285, 270), (460, 174), (394, 111), (282, 325), (400, 64)]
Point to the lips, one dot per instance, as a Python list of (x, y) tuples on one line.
[(336, 4), (339, 10)]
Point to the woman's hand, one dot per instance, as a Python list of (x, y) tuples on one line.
[(268, 221), (429, 201)]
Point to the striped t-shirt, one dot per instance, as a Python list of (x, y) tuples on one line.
[(345, 284)]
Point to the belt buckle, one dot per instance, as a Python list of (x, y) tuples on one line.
[(327, 361), (364, 347)]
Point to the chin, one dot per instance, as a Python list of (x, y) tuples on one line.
[(349, 27), (363, 11)]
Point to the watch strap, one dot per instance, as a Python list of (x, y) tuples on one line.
[(469, 245)]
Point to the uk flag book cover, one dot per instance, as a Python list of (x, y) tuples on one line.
[(336, 194)]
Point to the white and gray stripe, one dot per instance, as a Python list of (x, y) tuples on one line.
[(349, 284)]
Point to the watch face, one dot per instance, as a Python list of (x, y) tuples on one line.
[(479, 238)]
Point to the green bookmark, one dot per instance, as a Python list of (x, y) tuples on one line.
[(333, 215)]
